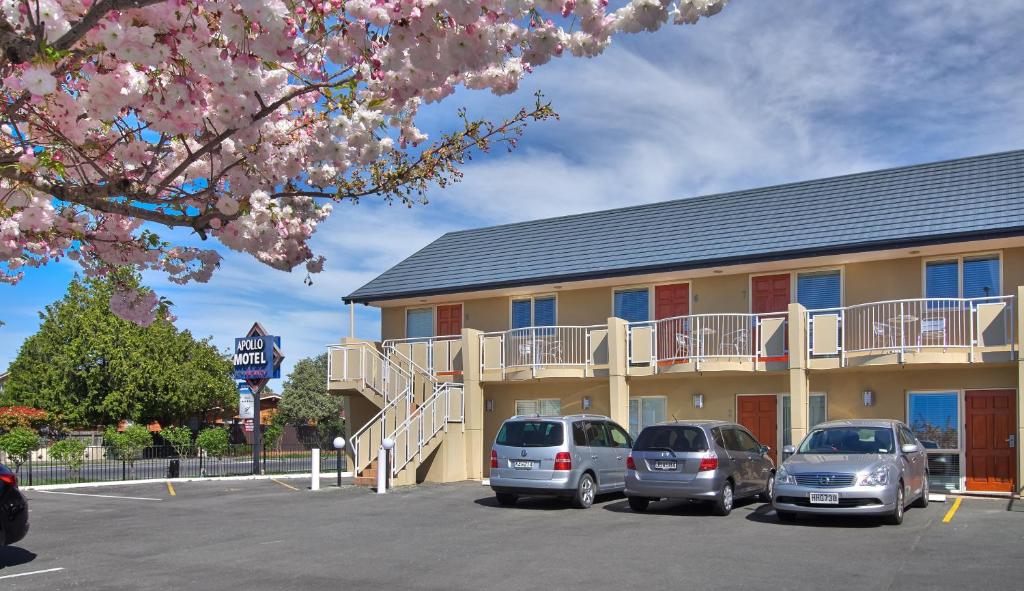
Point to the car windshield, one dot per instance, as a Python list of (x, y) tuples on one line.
[(530, 434), (849, 440), (671, 438)]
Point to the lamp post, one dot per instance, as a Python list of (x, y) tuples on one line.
[(382, 465), (339, 444)]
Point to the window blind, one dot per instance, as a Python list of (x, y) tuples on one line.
[(419, 323), (632, 305), (981, 277), (819, 290), (941, 280), (521, 313), (544, 311)]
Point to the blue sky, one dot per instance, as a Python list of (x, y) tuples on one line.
[(763, 93)]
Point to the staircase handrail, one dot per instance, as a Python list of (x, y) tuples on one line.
[(441, 390)]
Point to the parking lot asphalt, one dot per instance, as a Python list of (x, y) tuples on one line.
[(265, 535)]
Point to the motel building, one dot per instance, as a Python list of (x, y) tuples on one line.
[(888, 294)]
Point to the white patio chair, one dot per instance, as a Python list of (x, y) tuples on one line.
[(882, 336), (682, 345), (933, 332), (737, 341)]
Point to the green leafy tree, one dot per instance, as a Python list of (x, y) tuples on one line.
[(90, 367), (213, 441), (305, 398), (180, 438), (272, 435), (18, 444), (70, 453), (128, 445)]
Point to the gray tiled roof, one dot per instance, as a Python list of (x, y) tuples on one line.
[(977, 197)]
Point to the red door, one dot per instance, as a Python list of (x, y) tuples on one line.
[(759, 414), (671, 301), (991, 418), (769, 293), (449, 320)]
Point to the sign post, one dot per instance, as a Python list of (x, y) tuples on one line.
[(257, 361)]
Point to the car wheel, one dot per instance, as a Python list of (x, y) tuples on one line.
[(896, 517), (639, 504), (586, 490), (506, 499), (769, 490), (922, 501), (787, 516), (723, 504)]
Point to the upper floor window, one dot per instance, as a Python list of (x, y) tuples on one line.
[(632, 305), (820, 289), (962, 277), (419, 323), (538, 311)]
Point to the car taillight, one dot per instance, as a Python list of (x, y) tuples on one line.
[(563, 461), (630, 464), (9, 480), (494, 459), (708, 464)]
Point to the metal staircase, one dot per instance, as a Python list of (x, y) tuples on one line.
[(415, 408)]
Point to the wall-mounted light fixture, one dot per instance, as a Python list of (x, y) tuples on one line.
[(869, 398), (489, 405), (587, 403), (698, 401)]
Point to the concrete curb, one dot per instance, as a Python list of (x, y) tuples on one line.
[(323, 476)]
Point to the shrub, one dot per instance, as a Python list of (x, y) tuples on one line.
[(128, 445), (180, 438), (213, 441), (272, 435), (71, 453), (18, 444), (12, 417)]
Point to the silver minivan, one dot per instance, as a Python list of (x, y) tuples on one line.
[(711, 461), (575, 456)]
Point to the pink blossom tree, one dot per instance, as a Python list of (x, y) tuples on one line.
[(244, 120)]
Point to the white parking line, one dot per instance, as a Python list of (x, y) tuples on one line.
[(35, 572), (57, 492)]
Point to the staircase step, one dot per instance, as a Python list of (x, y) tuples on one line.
[(366, 480)]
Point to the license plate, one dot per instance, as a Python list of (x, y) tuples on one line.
[(661, 465), (522, 465), (824, 498)]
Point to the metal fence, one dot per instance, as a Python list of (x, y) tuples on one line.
[(163, 461)]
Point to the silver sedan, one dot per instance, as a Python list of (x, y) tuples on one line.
[(863, 467)]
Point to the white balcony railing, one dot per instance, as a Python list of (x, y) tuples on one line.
[(705, 337), (544, 346), (914, 325), (440, 356)]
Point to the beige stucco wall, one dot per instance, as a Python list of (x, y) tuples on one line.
[(392, 323), (719, 392), (584, 307), (720, 294), (878, 281), (1013, 270), (486, 314)]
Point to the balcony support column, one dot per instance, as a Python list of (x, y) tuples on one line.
[(618, 387), (473, 439), (799, 380), (1018, 339)]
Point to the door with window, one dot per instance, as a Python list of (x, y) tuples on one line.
[(991, 417), (760, 414), (674, 338), (449, 320)]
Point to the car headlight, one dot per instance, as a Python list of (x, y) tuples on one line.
[(879, 477), (784, 477)]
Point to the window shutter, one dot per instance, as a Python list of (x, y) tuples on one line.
[(521, 313), (941, 280), (419, 323), (819, 290), (632, 305), (544, 311), (981, 277)]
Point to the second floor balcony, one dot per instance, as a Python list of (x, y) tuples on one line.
[(544, 351)]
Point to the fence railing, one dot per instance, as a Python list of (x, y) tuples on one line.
[(701, 337), (363, 363), (164, 461), (901, 326), (440, 356), (544, 346)]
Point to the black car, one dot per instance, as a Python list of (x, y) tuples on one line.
[(13, 509)]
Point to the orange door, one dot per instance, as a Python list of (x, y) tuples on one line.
[(449, 320), (769, 293), (759, 414), (671, 301), (991, 417)]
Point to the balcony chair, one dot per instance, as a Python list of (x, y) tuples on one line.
[(882, 336), (738, 341), (682, 345), (933, 332)]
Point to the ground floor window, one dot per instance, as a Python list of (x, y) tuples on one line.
[(934, 417), (545, 407), (645, 411), (817, 413)]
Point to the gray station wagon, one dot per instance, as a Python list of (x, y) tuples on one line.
[(861, 467), (576, 457), (711, 461)]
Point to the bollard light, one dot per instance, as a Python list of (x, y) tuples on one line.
[(339, 444), (382, 465)]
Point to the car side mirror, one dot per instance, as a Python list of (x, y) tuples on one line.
[(789, 449), (765, 449), (909, 448)]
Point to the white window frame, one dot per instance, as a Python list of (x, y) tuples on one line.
[(961, 427), (533, 309), (650, 297), (640, 415), (793, 295), (433, 321), (538, 402), (959, 258)]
